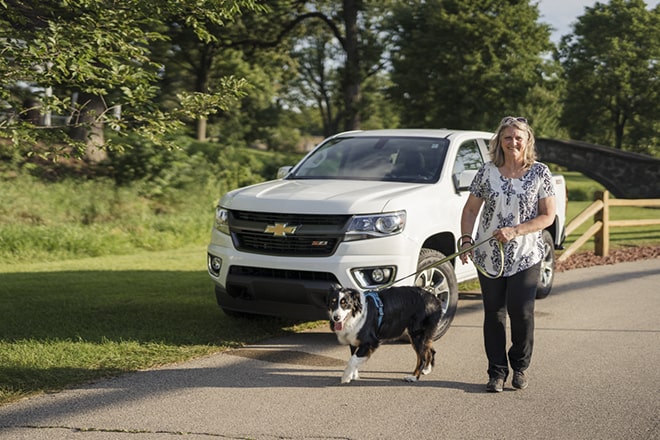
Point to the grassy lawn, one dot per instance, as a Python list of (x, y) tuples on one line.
[(582, 189), (619, 236), (72, 321)]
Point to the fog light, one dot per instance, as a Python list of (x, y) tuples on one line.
[(378, 275), (370, 277), (214, 264)]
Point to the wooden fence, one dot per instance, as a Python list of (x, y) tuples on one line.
[(599, 210)]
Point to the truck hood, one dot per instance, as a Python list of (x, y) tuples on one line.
[(322, 196)]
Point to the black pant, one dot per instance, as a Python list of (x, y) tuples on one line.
[(516, 295)]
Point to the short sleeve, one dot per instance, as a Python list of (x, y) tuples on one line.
[(547, 188), (478, 187)]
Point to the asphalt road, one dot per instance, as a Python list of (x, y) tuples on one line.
[(595, 375)]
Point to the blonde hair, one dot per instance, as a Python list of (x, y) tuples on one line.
[(495, 144)]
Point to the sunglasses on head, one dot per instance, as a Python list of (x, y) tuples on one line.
[(509, 119)]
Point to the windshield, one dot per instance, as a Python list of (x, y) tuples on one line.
[(398, 159)]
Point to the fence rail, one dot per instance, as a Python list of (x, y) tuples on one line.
[(599, 210)]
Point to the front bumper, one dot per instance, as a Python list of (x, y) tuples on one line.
[(296, 287)]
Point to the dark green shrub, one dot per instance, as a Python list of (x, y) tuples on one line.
[(579, 195)]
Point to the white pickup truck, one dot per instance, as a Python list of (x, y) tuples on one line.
[(362, 210)]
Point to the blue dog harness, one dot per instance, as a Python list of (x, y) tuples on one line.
[(379, 304)]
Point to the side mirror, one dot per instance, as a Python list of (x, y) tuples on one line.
[(283, 171), (463, 180)]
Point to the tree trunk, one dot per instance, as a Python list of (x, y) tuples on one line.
[(352, 77), (619, 129), (201, 129), (88, 127), (202, 74)]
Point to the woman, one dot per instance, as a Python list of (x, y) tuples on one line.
[(518, 201)]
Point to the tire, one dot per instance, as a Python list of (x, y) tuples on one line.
[(441, 282), (547, 275)]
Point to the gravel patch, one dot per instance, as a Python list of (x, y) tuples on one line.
[(619, 255)]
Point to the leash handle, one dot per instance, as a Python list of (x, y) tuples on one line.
[(501, 254)]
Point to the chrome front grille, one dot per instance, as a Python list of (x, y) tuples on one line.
[(287, 234)]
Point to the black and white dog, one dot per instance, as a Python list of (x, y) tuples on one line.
[(364, 320)]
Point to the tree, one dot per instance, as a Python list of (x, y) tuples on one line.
[(352, 30), (199, 65), (465, 63), (100, 52), (317, 82), (611, 64), (543, 103)]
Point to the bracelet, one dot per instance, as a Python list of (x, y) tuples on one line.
[(460, 239)]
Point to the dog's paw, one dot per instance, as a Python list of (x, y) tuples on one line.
[(410, 379), (349, 376), (427, 370), (351, 371)]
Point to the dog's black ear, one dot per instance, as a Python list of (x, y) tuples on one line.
[(357, 303), (330, 293)]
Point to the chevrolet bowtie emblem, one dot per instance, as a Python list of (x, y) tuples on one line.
[(280, 229)]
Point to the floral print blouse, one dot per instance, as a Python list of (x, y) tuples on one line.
[(509, 202)]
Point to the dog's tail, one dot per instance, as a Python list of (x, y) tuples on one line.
[(433, 319)]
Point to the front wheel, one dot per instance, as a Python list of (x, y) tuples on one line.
[(547, 267), (440, 281)]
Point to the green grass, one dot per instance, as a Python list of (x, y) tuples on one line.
[(72, 321), (583, 189), (45, 221), (619, 236), (579, 187)]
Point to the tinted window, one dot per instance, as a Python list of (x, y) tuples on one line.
[(401, 159)]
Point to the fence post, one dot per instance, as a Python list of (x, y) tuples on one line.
[(602, 238)]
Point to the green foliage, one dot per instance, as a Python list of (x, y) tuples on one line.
[(76, 218), (152, 199), (103, 54), (542, 105), (276, 73), (611, 68), (461, 64)]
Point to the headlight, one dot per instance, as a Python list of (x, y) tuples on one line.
[(222, 220), (376, 225)]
